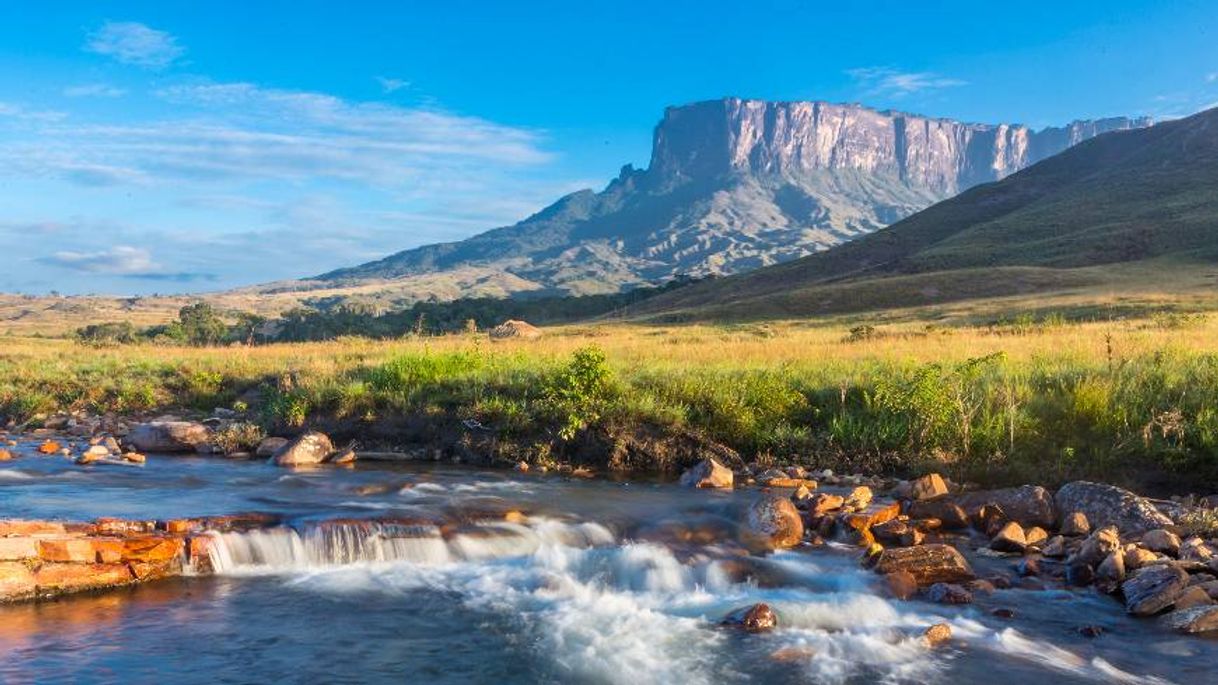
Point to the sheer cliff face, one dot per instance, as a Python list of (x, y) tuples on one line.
[(737, 184), (798, 139)]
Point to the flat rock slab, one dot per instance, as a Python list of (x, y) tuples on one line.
[(928, 564), (1153, 588), (1201, 619)]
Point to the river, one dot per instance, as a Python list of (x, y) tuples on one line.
[(600, 582)]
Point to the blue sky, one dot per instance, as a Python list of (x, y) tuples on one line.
[(167, 147)]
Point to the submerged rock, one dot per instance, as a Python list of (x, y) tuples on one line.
[(938, 634), (757, 618), (168, 436), (708, 473), (310, 448), (949, 593), (1108, 505)]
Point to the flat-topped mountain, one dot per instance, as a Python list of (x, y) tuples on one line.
[(1132, 208), (734, 185)]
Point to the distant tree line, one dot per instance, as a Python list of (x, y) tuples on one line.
[(201, 324)]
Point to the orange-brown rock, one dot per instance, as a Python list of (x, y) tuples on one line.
[(5, 455), (775, 523), (901, 584), (180, 526), (822, 503), (16, 581), (117, 526), (14, 549), (76, 550), (930, 486), (928, 564), (152, 548), (21, 527), (56, 578), (154, 570), (50, 447), (937, 634)]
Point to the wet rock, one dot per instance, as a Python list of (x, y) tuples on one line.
[(134, 457), (1090, 632), (822, 503), (1028, 505), (1193, 596), (5, 455), (270, 446), (16, 581), (1096, 548), (948, 593), (1054, 547), (1153, 588), (309, 448), (775, 522), (152, 548), (1201, 619), (1195, 549), (928, 564), (1075, 523), (1211, 588), (1079, 574), (757, 618), (1108, 505), (343, 456), (801, 496), (1162, 541), (1003, 613), (1028, 566), (1010, 538), (1137, 557), (791, 655), (58, 578), (1035, 536), (168, 436), (949, 514), (1111, 572), (930, 486), (901, 584), (859, 498), (897, 533), (708, 473), (50, 447), (938, 634), (15, 527)]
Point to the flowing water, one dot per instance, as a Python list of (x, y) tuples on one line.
[(411, 574)]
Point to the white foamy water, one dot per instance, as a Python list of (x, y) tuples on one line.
[(601, 610)]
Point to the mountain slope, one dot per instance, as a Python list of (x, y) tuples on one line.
[(734, 185), (1134, 197)]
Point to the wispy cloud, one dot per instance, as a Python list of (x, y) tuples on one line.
[(1211, 77), (121, 259), (21, 113), (392, 85), (134, 43), (94, 90), (891, 82), (241, 131)]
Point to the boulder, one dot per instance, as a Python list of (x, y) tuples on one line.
[(513, 328), (1200, 619), (1195, 549), (938, 634), (1075, 523), (1137, 557), (1010, 538), (5, 455), (1108, 505), (1153, 588), (1028, 505), (928, 564), (950, 515), (708, 473), (1054, 547), (1162, 541), (949, 593), (1193, 596), (168, 436), (775, 522), (270, 446), (1096, 548), (1035, 535), (343, 456), (822, 503), (859, 498), (901, 584), (309, 448), (757, 618), (49, 447), (897, 533), (930, 486), (1111, 572)]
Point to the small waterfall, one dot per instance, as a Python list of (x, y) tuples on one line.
[(355, 542)]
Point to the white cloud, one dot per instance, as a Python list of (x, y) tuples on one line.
[(120, 260), (896, 83), (134, 43), (392, 85), (14, 112), (94, 90), (1211, 77), (240, 131)]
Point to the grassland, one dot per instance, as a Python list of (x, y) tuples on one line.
[(1032, 398)]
